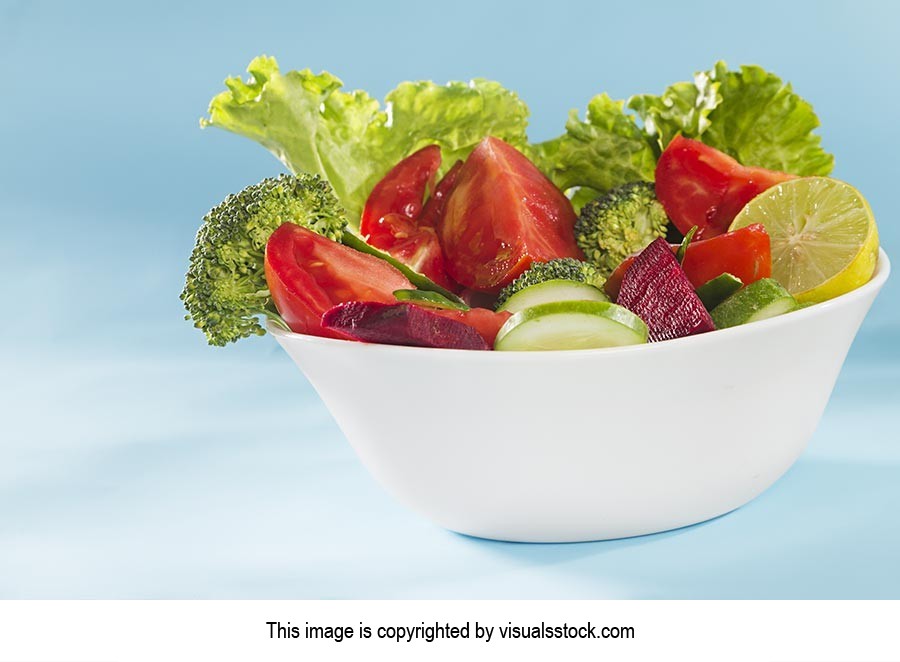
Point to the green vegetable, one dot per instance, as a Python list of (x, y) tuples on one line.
[(750, 114), (430, 299), (715, 291), (760, 300), (308, 123), (685, 242), (225, 290), (421, 281), (551, 291), (566, 268), (571, 325), (683, 108), (603, 151), (620, 223)]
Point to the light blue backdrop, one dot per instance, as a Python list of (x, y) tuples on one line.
[(137, 462)]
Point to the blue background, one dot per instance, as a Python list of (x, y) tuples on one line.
[(137, 462)]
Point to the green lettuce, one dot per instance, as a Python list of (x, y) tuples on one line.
[(750, 114), (312, 126), (349, 138), (605, 149), (683, 108)]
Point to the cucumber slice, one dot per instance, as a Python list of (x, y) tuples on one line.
[(429, 298), (715, 291), (758, 301), (550, 291), (571, 325)]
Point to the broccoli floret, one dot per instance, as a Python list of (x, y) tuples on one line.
[(225, 290), (620, 223), (566, 268)]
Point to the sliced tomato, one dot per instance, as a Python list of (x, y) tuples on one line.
[(308, 274), (390, 219), (699, 185), (486, 322), (502, 214), (416, 247), (401, 191), (433, 211), (745, 253)]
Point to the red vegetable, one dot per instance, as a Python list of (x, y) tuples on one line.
[(433, 212), (486, 322), (401, 324), (656, 289), (308, 274), (401, 191), (390, 218), (699, 185), (744, 253), (503, 213)]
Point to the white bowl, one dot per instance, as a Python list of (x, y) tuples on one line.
[(590, 444)]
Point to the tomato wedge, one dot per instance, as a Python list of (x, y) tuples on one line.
[(417, 247), (699, 185), (433, 211), (502, 214), (308, 274), (486, 322), (745, 253), (401, 191), (390, 219)]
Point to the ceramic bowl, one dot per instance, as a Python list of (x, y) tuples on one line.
[(588, 444)]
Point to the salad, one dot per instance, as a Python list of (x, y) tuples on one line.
[(433, 221)]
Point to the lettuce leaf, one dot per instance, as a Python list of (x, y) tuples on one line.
[(310, 125), (604, 150), (750, 114), (683, 108)]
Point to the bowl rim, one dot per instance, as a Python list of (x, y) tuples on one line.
[(879, 277)]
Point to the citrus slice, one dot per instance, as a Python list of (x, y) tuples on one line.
[(824, 238)]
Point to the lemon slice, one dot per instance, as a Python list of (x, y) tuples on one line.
[(824, 238)]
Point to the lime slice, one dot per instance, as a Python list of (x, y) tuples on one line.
[(824, 238), (571, 325)]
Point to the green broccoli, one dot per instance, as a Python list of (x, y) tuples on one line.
[(619, 223), (566, 268), (225, 290)]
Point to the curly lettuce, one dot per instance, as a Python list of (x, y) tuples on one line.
[(312, 126), (750, 114), (604, 150), (351, 139)]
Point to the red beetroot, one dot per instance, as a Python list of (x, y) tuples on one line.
[(401, 324), (656, 289)]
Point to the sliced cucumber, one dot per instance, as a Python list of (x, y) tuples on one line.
[(758, 301), (429, 298), (715, 291), (551, 291), (571, 325)]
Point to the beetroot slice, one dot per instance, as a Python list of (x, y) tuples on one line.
[(401, 324), (656, 289)]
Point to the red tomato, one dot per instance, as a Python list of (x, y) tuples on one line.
[(699, 185), (389, 219), (485, 321), (308, 274), (503, 213), (416, 247), (401, 191), (433, 212), (744, 253)]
